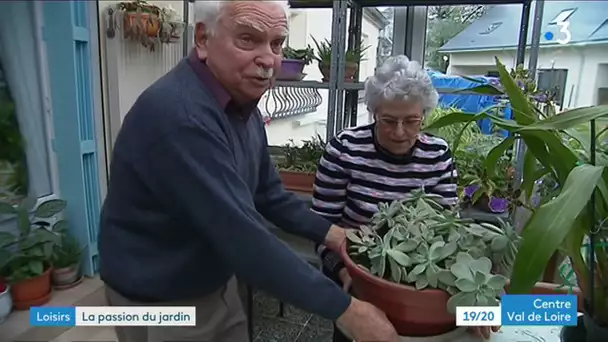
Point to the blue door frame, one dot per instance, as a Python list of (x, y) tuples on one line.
[(67, 34)]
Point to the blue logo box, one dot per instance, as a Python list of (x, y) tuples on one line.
[(52, 316), (548, 310)]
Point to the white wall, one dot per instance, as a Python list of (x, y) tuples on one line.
[(582, 62)]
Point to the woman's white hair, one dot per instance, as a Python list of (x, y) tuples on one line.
[(398, 78), (210, 12)]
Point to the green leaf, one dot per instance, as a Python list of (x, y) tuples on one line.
[(568, 119), (61, 226), (50, 208), (465, 285), (400, 257), (497, 282), (483, 265), (36, 267), (454, 118), (396, 271), (418, 269), (461, 299), (407, 246), (549, 226), (498, 151), (351, 235), (523, 111), (499, 243), (421, 283), (484, 89), (6, 208), (461, 271), (446, 277), (23, 221)]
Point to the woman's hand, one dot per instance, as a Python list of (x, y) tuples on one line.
[(345, 279), (483, 332)]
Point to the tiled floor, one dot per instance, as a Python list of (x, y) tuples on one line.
[(269, 325), (295, 325)]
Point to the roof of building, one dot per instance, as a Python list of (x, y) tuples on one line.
[(499, 27)]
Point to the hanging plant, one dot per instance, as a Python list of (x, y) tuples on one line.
[(150, 24)]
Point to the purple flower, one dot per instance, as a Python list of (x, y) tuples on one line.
[(542, 98), (498, 205), (520, 84), (470, 190)]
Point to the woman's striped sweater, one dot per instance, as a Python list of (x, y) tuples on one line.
[(355, 174)]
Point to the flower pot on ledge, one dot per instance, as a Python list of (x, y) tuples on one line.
[(349, 71), (32, 292), (291, 70), (416, 313), (298, 181)]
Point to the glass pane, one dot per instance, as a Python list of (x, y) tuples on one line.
[(13, 169)]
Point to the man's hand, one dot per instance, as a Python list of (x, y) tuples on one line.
[(483, 332), (364, 322), (345, 279), (335, 237)]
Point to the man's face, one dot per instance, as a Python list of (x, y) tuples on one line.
[(398, 124), (245, 50)]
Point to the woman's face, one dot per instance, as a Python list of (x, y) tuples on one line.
[(398, 123)]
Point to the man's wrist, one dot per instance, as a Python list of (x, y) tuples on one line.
[(335, 237)]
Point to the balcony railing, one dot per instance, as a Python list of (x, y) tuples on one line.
[(281, 102)]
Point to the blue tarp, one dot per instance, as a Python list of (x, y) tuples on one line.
[(465, 102)]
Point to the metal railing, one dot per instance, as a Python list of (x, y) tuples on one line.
[(282, 102)]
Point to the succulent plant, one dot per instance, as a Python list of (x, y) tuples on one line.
[(416, 241)]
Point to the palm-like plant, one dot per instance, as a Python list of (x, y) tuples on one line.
[(568, 216)]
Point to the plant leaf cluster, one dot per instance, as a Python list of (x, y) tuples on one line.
[(416, 241)]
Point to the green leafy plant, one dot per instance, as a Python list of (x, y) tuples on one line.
[(27, 253), (302, 158), (567, 217), (324, 48), (306, 55), (416, 241), (323, 51), (67, 253)]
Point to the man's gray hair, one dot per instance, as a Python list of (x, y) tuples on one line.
[(210, 12), (398, 78)]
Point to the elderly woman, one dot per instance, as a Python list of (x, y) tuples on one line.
[(385, 160)]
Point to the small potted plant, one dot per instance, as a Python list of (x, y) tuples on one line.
[(293, 63), (66, 263), (25, 260), (6, 302), (417, 262), (353, 57), (298, 164)]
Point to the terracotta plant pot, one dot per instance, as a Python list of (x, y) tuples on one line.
[(349, 71), (65, 277), (417, 313), (32, 292), (6, 304), (414, 313), (298, 181)]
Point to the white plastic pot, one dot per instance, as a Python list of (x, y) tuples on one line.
[(6, 304)]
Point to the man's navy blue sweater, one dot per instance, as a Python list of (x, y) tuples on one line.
[(189, 189)]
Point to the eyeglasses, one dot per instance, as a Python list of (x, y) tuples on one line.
[(409, 124)]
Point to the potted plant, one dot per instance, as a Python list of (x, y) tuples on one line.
[(298, 164), (569, 214), (25, 256), (66, 262), (6, 302), (323, 57), (417, 262), (293, 63)]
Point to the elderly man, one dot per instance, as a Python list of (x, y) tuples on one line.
[(192, 181)]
